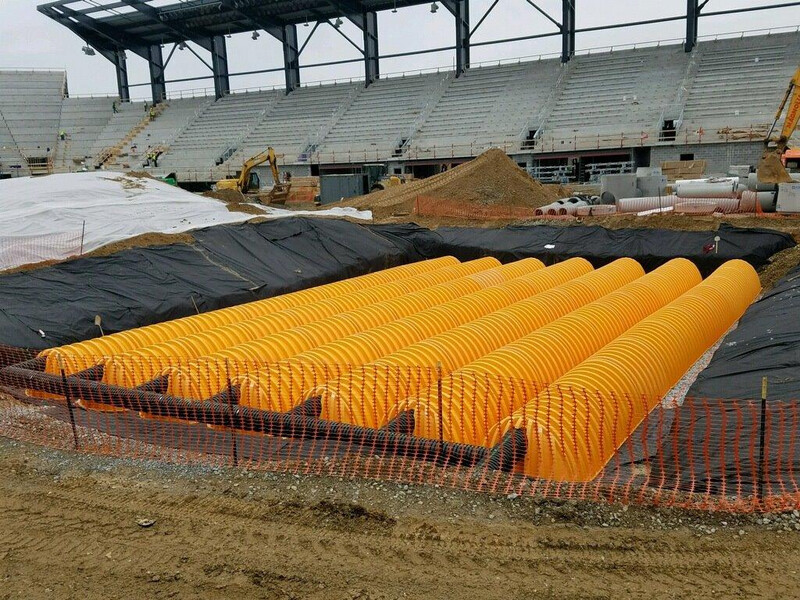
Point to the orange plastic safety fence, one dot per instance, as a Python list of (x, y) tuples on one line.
[(732, 455)]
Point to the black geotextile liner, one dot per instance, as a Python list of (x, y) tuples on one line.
[(231, 264), (650, 247), (766, 343)]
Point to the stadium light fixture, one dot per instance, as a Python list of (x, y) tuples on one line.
[(337, 23), (88, 50), (434, 7), (256, 35)]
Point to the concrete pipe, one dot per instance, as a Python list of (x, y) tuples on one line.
[(481, 394), (574, 426), (570, 207), (722, 187), (753, 201), (755, 185)]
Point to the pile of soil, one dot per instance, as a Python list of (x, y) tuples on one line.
[(771, 170), (491, 179), (234, 200)]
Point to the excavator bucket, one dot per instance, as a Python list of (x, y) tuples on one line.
[(279, 193), (771, 169)]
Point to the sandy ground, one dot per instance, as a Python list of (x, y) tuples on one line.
[(68, 529)]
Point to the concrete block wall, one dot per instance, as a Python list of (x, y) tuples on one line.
[(717, 156)]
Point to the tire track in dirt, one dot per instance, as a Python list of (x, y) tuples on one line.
[(214, 539)]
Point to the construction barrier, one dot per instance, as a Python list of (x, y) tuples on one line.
[(687, 452), (564, 380)]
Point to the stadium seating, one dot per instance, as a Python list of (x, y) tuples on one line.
[(612, 92), (297, 120), (486, 106), (220, 128), (383, 115), (605, 99), (30, 105), (739, 82), (163, 130)]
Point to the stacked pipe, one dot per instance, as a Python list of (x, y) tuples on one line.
[(215, 368), (707, 196), (366, 395), (480, 395), (82, 355), (282, 386), (575, 425)]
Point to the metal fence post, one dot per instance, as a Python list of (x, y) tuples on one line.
[(761, 439)]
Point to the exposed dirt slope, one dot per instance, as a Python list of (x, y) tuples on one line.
[(491, 179), (68, 529)]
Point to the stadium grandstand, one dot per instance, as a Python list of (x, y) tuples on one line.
[(569, 117)]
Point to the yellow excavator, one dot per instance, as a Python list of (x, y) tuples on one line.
[(249, 183), (772, 167)]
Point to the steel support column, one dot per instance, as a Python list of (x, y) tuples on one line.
[(371, 61), (567, 30), (692, 14), (121, 67), (219, 65), (291, 57), (460, 10), (155, 58)]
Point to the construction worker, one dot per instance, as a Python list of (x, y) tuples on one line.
[(145, 106), (62, 135), (152, 113), (114, 107)]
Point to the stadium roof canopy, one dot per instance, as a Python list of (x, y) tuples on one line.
[(144, 27)]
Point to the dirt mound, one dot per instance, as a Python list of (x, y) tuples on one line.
[(235, 201), (771, 170), (490, 180)]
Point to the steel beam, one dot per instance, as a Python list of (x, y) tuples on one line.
[(460, 10), (371, 57), (692, 17), (219, 65), (291, 58), (121, 67), (567, 30), (157, 83)]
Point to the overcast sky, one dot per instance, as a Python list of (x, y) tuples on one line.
[(29, 39)]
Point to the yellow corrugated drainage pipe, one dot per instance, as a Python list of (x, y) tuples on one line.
[(82, 355), (575, 425), (282, 386), (134, 368), (365, 395), (484, 392), (210, 374)]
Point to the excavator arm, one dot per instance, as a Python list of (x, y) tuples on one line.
[(770, 168), (792, 99), (251, 163)]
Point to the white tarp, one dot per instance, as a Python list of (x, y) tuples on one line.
[(54, 217)]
